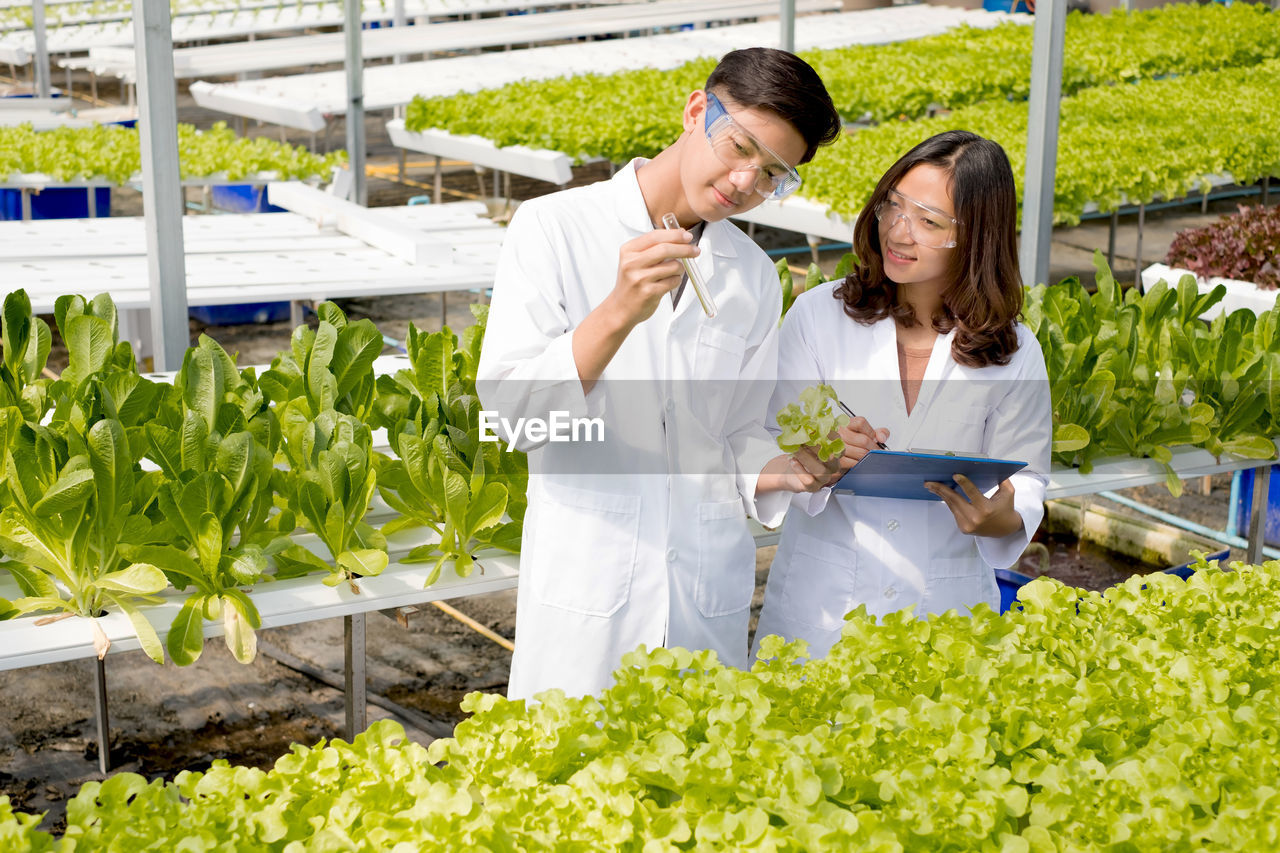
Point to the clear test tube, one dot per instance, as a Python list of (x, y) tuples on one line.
[(695, 275)]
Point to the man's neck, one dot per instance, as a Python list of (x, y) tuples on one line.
[(659, 181)]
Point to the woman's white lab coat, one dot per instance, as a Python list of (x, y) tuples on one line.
[(838, 551), (642, 538)]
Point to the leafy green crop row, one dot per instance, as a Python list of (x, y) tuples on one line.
[(66, 14), (967, 65), (117, 487), (1143, 718), (1155, 138), (637, 113), (112, 152), (1134, 374)]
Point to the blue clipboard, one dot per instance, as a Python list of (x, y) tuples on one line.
[(894, 474)]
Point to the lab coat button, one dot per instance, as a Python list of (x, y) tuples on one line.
[(671, 555), (890, 592), (893, 524)]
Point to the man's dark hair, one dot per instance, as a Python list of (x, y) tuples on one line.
[(785, 85)]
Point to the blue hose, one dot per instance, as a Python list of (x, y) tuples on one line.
[(1233, 527), (777, 253), (1175, 203)]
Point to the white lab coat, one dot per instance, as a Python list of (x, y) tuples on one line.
[(642, 538), (838, 551)]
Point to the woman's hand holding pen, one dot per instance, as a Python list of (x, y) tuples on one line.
[(859, 438)]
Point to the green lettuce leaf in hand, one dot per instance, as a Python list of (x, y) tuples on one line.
[(812, 421)]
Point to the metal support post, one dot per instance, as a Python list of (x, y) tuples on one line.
[(161, 181), (1258, 514), (439, 182), (1042, 140), (1111, 238), (399, 19), (92, 199), (356, 687), (100, 711), (1266, 190), (787, 17), (40, 59), (26, 204), (355, 102), (1137, 256)]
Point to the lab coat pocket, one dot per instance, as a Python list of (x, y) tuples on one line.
[(586, 554), (726, 559), (962, 428), (956, 584), (820, 584), (717, 365)]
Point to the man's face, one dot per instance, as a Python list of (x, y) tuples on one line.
[(712, 189)]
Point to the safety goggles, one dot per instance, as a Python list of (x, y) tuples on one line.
[(927, 225), (741, 152)]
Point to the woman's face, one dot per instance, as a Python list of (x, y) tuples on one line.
[(916, 223)]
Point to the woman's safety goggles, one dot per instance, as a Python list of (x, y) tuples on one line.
[(741, 152), (927, 225)]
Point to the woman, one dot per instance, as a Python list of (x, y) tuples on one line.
[(922, 341)]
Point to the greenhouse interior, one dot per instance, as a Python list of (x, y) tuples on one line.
[(895, 475)]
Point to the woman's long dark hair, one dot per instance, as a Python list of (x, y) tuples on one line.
[(984, 296)]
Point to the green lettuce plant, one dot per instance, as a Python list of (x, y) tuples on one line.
[(323, 391), (216, 448), (1136, 374), (812, 421), (469, 493), (329, 487), (26, 342), (75, 499)]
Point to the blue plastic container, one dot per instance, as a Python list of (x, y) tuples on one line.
[(1006, 6), (240, 315), (1010, 581), (54, 204), (243, 198), (1185, 571), (1244, 504)]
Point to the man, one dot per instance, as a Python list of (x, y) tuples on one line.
[(643, 537)]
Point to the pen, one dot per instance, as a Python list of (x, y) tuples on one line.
[(850, 413)]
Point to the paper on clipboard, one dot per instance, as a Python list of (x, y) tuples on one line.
[(896, 474)]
